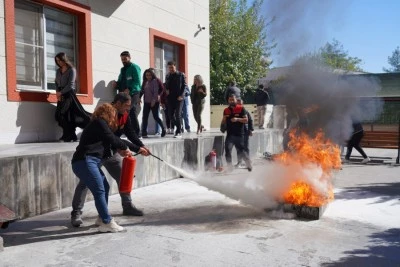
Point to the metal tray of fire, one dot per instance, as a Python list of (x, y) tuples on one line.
[(305, 212)]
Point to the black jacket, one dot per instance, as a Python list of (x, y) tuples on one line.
[(175, 85), (96, 140), (261, 97), (249, 126)]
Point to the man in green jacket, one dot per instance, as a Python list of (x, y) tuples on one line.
[(129, 81)]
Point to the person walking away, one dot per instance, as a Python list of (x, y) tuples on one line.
[(96, 138), (261, 98), (354, 142), (113, 162), (232, 89), (129, 82), (150, 91), (248, 131), (233, 121), (198, 93), (69, 112), (175, 87)]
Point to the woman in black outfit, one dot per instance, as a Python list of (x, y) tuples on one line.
[(69, 113), (95, 145)]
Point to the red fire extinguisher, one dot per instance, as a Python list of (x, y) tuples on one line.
[(127, 174), (213, 159)]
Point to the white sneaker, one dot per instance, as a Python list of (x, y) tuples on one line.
[(112, 227), (178, 135), (366, 160), (98, 221)]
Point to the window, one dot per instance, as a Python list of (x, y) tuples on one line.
[(40, 33), (164, 52), (35, 31), (164, 48)]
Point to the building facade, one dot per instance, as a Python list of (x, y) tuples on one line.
[(92, 33)]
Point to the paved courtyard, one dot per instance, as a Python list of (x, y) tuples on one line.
[(186, 224)]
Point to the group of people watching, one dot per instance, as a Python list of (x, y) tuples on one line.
[(101, 144), (172, 96)]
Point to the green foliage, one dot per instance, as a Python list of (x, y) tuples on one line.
[(238, 47), (394, 61), (333, 55)]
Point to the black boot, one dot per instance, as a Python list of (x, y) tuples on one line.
[(129, 209), (76, 219)]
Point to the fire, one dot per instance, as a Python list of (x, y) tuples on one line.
[(306, 151)]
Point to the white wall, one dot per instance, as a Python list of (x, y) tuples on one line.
[(116, 26)]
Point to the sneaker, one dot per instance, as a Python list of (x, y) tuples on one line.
[(178, 135), (76, 219), (145, 136), (112, 227), (163, 133), (345, 161), (158, 134), (366, 160), (188, 130), (98, 221), (131, 210)]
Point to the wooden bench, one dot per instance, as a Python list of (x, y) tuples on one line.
[(380, 139)]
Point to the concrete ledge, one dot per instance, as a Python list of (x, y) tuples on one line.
[(37, 178)]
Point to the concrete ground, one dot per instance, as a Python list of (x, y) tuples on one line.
[(186, 224)]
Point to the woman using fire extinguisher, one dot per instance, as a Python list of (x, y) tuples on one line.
[(95, 141)]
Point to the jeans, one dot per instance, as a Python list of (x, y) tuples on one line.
[(134, 112), (175, 113), (238, 142), (185, 113), (245, 147), (156, 115), (88, 171), (114, 167)]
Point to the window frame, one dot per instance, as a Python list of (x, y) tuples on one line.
[(155, 35), (84, 52)]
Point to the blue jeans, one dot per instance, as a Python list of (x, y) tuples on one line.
[(185, 113), (89, 172)]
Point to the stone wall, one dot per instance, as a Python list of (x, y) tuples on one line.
[(40, 183)]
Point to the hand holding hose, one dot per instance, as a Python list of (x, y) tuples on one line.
[(144, 151)]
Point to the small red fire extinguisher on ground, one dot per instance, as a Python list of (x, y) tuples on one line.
[(213, 159), (127, 174)]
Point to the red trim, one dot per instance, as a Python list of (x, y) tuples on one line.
[(83, 14), (181, 43)]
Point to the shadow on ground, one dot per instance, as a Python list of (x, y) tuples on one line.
[(382, 250), (386, 192), (25, 232)]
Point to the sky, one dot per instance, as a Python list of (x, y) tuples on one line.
[(367, 29)]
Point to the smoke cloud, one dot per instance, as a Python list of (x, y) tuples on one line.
[(300, 26), (336, 100)]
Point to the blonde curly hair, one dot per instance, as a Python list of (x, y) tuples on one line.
[(108, 113)]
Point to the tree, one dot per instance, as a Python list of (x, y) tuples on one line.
[(333, 55), (238, 47), (394, 61)]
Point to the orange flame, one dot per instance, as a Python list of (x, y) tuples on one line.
[(306, 151)]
